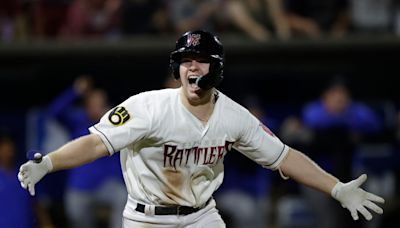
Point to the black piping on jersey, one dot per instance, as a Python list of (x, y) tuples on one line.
[(105, 138), (283, 149)]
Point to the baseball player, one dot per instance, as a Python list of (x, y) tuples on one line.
[(173, 143)]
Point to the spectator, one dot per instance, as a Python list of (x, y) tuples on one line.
[(315, 18), (336, 109), (17, 208), (92, 19), (93, 184), (372, 16), (193, 15), (335, 113), (144, 17), (337, 123), (12, 21), (259, 19), (47, 17)]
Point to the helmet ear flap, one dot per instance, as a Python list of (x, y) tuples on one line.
[(216, 70)]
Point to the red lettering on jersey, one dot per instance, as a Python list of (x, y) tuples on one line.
[(212, 155), (221, 153), (205, 162), (197, 155), (209, 157), (187, 153), (178, 157)]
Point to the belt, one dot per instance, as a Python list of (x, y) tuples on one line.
[(172, 210)]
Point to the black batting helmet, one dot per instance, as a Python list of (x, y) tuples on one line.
[(205, 44)]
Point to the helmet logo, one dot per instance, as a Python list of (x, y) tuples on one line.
[(193, 40)]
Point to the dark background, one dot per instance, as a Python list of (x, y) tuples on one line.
[(290, 72)]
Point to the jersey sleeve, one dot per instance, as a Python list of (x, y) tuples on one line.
[(123, 125), (261, 145)]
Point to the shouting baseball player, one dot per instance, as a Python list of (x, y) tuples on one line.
[(173, 143)]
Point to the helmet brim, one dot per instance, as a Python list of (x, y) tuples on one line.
[(177, 55)]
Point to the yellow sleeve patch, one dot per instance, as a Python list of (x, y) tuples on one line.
[(118, 116)]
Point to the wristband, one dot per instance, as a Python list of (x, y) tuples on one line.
[(47, 162), (336, 189)]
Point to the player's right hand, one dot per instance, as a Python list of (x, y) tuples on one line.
[(33, 171)]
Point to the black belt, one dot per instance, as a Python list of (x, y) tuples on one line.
[(172, 210)]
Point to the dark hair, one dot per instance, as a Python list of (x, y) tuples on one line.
[(336, 81)]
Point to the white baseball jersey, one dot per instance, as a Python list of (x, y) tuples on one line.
[(169, 157)]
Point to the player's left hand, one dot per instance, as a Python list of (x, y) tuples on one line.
[(355, 199), (34, 170)]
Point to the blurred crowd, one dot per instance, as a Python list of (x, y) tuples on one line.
[(260, 20)]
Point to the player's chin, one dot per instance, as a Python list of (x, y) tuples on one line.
[(192, 89), (194, 94)]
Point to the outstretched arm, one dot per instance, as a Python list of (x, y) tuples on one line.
[(78, 152), (303, 170), (75, 153)]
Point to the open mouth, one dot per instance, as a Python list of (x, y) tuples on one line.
[(193, 79)]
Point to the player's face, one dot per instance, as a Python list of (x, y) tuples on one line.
[(190, 69)]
